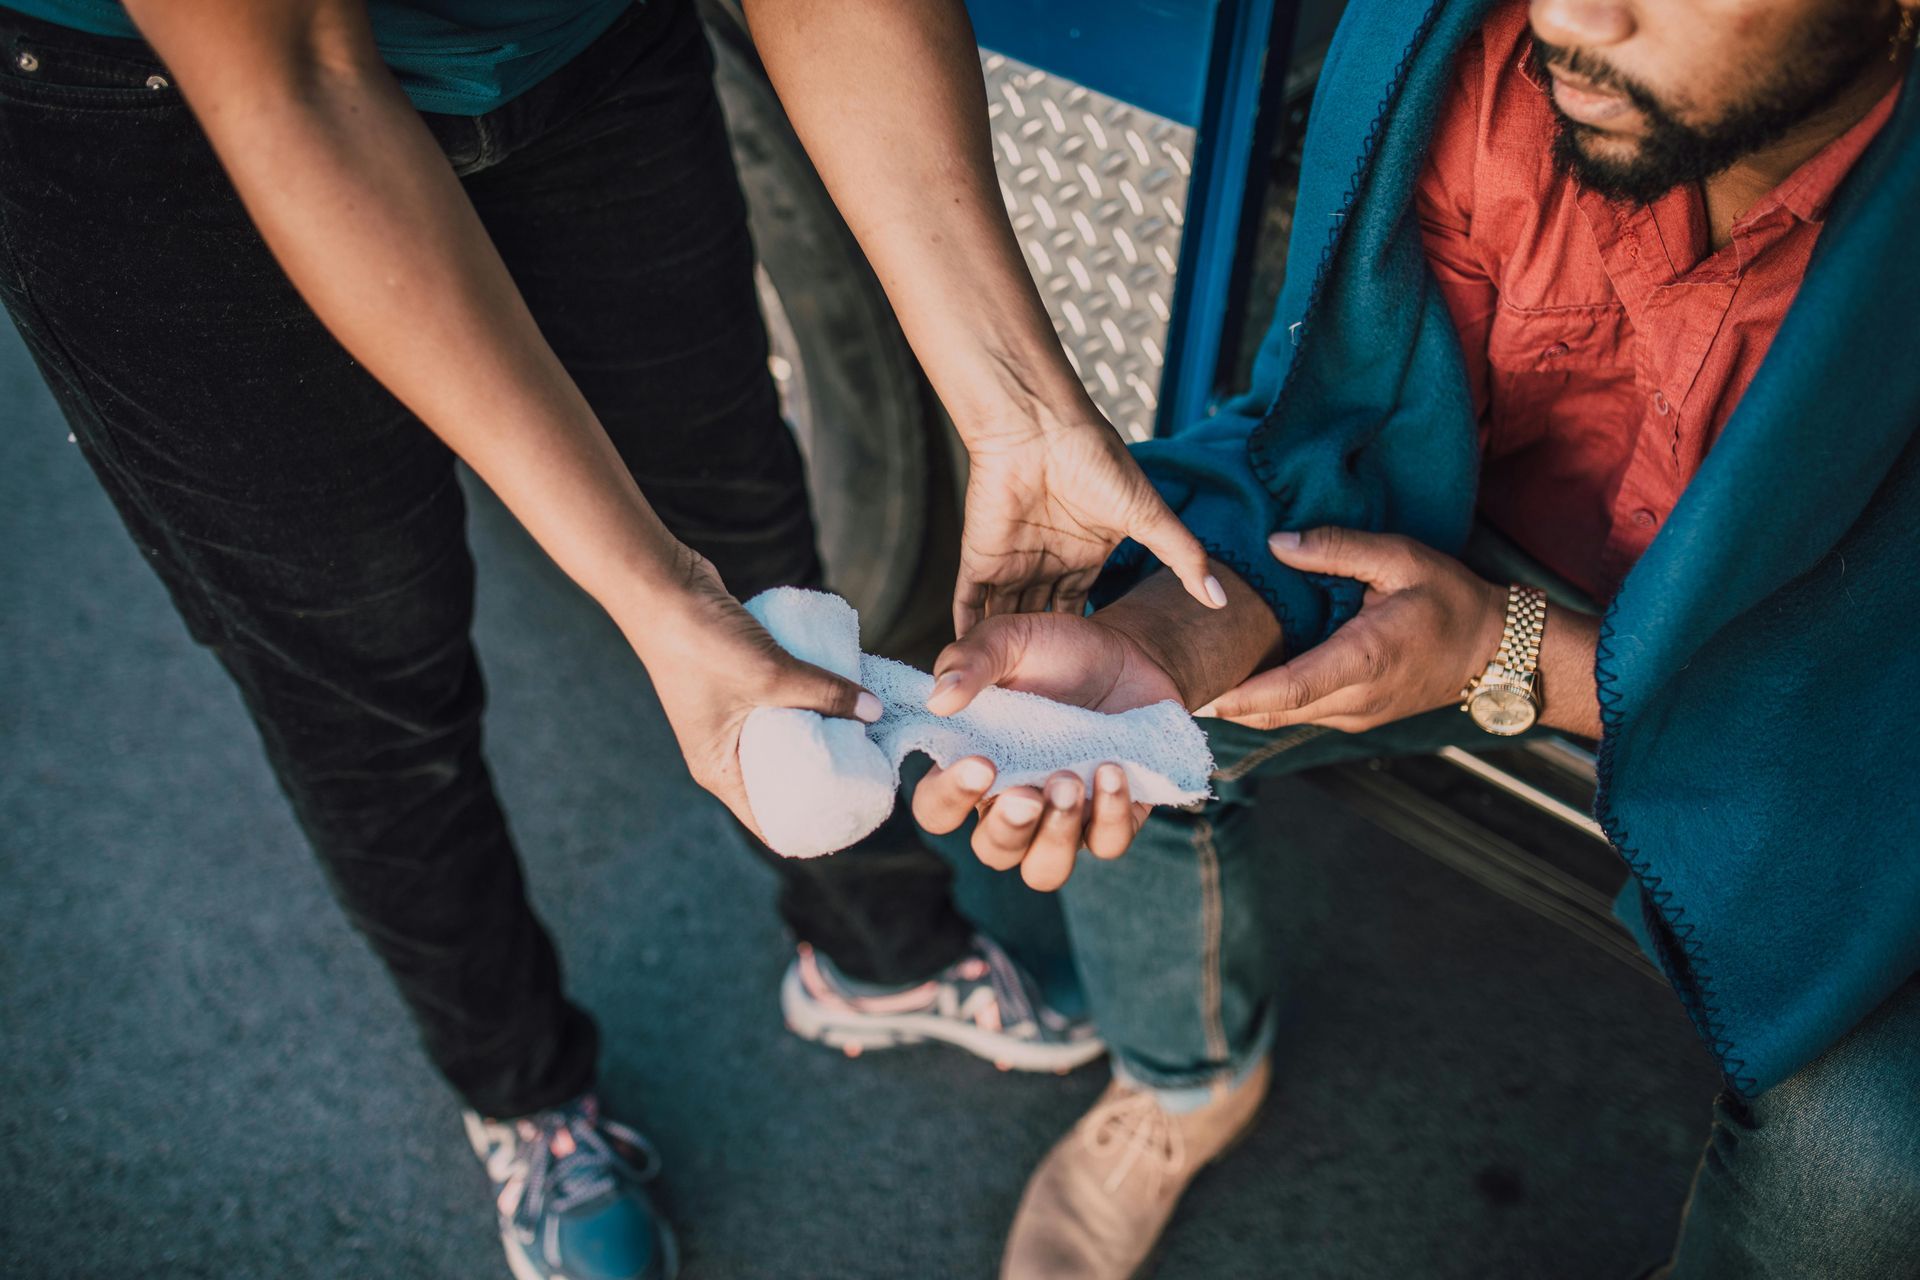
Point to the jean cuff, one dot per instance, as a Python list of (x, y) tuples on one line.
[(1183, 1091)]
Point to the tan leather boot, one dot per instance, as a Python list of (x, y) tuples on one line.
[(1101, 1198)]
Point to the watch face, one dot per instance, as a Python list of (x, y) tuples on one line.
[(1502, 709)]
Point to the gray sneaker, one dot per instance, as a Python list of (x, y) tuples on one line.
[(983, 1003)]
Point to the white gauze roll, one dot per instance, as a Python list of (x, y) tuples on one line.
[(817, 785)]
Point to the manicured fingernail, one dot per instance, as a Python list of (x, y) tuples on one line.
[(1109, 777), (1064, 794), (1208, 711), (1285, 540), (974, 774), (1216, 592), (945, 683), (867, 707), (1019, 810)]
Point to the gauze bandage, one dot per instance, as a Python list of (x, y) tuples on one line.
[(817, 784)]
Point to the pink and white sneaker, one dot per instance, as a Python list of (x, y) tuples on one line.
[(983, 1003)]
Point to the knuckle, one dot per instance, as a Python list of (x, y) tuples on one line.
[(1376, 660), (991, 852), (1044, 877), (766, 670), (934, 813), (1111, 839)]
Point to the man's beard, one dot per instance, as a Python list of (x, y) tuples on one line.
[(1830, 54)]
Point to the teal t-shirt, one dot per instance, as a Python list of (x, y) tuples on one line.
[(457, 57)]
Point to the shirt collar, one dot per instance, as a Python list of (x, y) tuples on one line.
[(1808, 190)]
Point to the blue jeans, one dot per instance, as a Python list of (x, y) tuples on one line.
[(1819, 1176)]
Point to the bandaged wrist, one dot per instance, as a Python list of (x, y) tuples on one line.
[(817, 785)]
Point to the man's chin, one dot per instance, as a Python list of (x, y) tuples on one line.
[(1607, 146), (1610, 164)]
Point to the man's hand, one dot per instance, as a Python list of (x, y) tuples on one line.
[(1070, 659), (1046, 507), (1426, 626)]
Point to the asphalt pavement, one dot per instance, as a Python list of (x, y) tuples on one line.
[(203, 1073)]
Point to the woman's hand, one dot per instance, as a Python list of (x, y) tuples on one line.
[(1070, 659), (1426, 626), (1046, 507), (713, 664)]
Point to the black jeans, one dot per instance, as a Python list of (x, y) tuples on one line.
[(312, 532)]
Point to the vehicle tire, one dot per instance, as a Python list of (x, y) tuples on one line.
[(850, 387)]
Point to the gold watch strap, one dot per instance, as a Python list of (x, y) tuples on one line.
[(1526, 623), (1519, 652)]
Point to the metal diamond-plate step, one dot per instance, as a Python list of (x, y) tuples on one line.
[(1097, 191)]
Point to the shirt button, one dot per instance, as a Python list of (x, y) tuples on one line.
[(1645, 518), (27, 62), (1660, 405), (1557, 350)]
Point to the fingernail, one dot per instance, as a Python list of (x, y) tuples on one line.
[(1064, 794), (1019, 810), (868, 708), (975, 774), (945, 683), (1216, 592), (1285, 540), (1208, 711), (1109, 777)]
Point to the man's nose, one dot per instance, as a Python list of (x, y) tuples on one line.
[(1582, 24)]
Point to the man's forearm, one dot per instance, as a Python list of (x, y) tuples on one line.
[(1568, 648), (887, 97), (367, 219), (1205, 651)]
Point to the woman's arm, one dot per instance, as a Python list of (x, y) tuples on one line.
[(887, 97), (364, 214), (366, 217)]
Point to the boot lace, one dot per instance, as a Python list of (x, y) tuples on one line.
[(1134, 1132)]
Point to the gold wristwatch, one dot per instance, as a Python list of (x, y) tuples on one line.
[(1505, 698)]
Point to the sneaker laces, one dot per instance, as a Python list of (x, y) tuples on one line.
[(1008, 983), (1131, 1130), (569, 1161)]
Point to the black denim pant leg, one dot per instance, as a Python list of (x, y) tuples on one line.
[(618, 211), (309, 530)]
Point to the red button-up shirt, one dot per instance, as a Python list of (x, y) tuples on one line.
[(1606, 345)]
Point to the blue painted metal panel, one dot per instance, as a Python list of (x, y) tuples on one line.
[(1154, 54), (1222, 200)]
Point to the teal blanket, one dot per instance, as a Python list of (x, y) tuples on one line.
[(1758, 670)]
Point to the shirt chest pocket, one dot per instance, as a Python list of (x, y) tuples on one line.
[(1548, 361), (1553, 340)]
